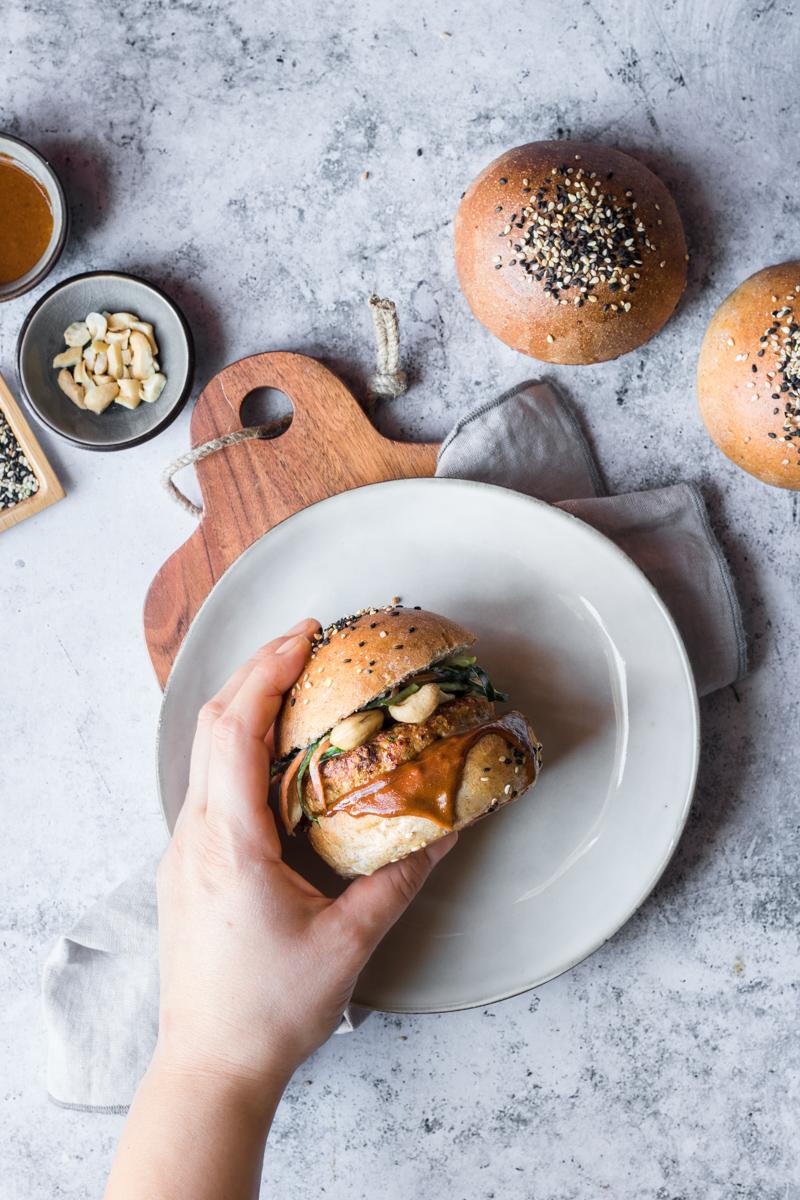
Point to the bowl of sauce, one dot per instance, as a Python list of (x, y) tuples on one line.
[(33, 217)]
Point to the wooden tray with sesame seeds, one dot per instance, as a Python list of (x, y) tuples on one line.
[(21, 455), (251, 486)]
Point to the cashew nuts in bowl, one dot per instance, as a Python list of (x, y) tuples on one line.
[(110, 357)]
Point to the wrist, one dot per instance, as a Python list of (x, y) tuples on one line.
[(253, 1092)]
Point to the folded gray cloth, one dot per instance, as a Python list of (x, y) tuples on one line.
[(528, 440), (101, 980)]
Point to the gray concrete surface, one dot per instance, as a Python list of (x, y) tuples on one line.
[(220, 149)]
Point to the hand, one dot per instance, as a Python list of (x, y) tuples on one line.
[(256, 964)]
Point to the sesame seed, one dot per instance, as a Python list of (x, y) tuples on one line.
[(578, 235), (18, 481)]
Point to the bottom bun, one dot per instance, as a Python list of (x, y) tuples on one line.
[(360, 845)]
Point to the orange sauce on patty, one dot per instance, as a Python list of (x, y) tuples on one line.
[(427, 786)]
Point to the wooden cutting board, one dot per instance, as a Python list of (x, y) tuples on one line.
[(249, 487)]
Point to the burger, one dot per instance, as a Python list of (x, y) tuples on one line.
[(389, 739)]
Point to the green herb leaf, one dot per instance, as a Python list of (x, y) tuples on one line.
[(393, 697), (460, 660)]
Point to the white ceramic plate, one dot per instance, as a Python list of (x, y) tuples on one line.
[(573, 631)]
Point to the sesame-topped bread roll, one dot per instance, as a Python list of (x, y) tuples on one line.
[(748, 376), (569, 251), (389, 739)]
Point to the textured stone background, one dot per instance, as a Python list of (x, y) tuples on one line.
[(219, 149)]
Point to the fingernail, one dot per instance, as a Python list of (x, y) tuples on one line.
[(302, 626), (293, 644)]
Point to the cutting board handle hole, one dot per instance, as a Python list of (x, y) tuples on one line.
[(266, 406)]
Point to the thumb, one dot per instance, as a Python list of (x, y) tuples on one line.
[(371, 904)]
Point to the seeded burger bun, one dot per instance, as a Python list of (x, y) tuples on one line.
[(748, 376), (569, 251), (390, 740)]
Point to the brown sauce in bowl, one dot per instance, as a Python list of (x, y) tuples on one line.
[(26, 221)]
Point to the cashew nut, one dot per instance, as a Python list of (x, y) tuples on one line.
[(98, 397), (82, 374), (121, 320), (68, 358), (152, 387), (114, 357), (77, 334), (97, 326), (419, 705), (70, 388), (356, 730), (147, 329), (142, 365), (118, 335), (130, 393)]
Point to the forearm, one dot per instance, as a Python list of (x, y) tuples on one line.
[(193, 1136)]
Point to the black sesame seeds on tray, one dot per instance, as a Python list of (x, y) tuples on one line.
[(17, 479)]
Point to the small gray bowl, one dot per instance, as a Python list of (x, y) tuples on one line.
[(42, 337), (32, 161)]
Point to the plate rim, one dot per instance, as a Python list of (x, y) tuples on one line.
[(691, 690)]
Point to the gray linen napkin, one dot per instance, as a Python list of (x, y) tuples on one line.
[(101, 980)]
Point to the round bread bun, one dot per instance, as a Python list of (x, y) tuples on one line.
[(748, 376), (356, 659), (360, 845), (559, 283)]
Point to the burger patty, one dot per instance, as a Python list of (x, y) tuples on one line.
[(393, 746)]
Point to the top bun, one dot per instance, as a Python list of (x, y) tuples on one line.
[(355, 660), (748, 376), (569, 251)]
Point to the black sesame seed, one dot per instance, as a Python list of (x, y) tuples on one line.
[(17, 478)]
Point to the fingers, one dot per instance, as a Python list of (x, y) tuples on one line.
[(213, 709), (238, 764), (372, 904)]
